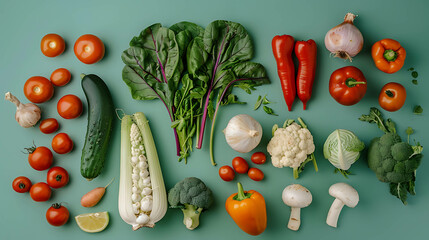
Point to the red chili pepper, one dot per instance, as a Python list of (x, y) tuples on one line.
[(282, 50), (306, 52)]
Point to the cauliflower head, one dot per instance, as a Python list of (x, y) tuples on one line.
[(290, 146)]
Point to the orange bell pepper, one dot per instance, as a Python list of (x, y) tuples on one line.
[(388, 55), (247, 209)]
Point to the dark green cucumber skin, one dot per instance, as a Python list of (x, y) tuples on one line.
[(100, 120)]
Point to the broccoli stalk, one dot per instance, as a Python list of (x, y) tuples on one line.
[(191, 216)]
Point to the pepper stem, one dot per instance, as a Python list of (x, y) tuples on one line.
[(241, 195), (390, 55), (351, 82)]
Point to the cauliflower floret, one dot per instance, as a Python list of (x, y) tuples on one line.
[(290, 146)]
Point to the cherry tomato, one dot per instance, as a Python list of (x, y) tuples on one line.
[(62, 143), (258, 158), (38, 89), (57, 177), (49, 125), (21, 184), (255, 174), (69, 107), (392, 97), (226, 173), (240, 165), (57, 215), (40, 192), (89, 49), (40, 158), (52, 45), (60, 77)]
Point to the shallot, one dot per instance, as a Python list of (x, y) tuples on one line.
[(27, 115), (345, 40)]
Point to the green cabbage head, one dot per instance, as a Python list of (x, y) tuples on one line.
[(342, 148)]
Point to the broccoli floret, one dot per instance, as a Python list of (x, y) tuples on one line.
[(192, 196), (392, 160)]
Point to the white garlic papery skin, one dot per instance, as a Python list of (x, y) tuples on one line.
[(243, 133), (27, 115)]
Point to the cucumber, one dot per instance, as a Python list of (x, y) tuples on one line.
[(100, 119)]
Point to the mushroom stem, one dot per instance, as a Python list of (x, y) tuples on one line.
[(334, 212), (295, 218)]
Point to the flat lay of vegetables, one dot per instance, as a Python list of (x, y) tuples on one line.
[(192, 71)]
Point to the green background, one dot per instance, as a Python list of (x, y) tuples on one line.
[(378, 214)]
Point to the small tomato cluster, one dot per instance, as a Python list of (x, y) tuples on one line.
[(240, 165)]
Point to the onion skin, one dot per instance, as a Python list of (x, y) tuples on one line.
[(344, 40)]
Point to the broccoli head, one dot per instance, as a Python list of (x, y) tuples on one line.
[(392, 160), (192, 196)]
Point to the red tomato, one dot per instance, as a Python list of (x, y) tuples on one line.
[(392, 97), (57, 215), (52, 45), (69, 107), (89, 49), (240, 165), (21, 184), (57, 177), (40, 192), (258, 158), (38, 89), (347, 85), (49, 125), (255, 174), (62, 143), (60, 77), (226, 173), (40, 158)]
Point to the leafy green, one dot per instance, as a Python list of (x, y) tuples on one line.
[(418, 110), (220, 60), (269, 111), (192, 71), (414, 74), (415, 82), (374, 116), (265, 100), (258, 103)]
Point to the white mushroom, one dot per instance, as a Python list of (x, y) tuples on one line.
[(344, 195), (296, 197)]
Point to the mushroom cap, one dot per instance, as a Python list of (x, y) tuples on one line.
[(297, 196), (346, 193)]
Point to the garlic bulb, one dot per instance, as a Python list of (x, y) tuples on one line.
[(27, 115), (344, 40), (243, 133)]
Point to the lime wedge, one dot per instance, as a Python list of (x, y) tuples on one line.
[(93, 222)]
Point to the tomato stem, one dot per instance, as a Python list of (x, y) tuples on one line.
[(351, 82), (389, 93), (390, 55), (56, 205)]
